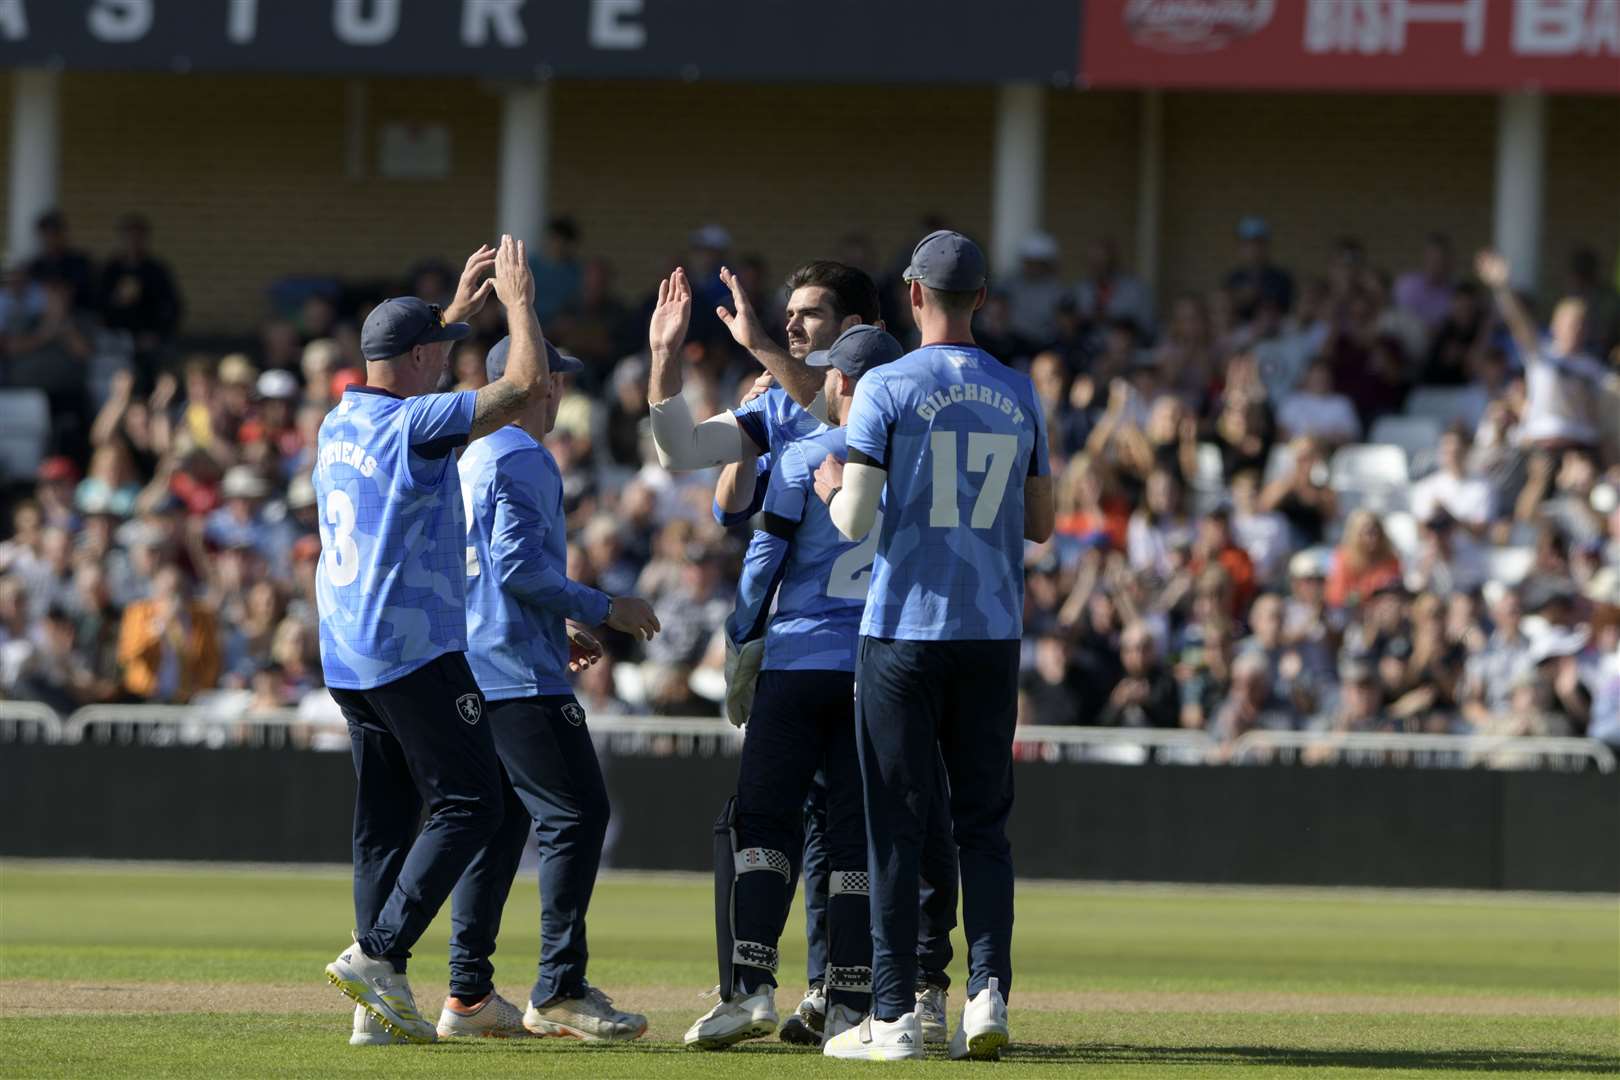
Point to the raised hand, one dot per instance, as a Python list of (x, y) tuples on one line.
[(473, 288), (745, 326), (672, 314), (514, 284), (1493, 268)]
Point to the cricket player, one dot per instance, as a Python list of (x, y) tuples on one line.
[(802, 720), (521, 651), (953, 444), (825, 299), (391, 594)]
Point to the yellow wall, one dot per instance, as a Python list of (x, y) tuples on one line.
[(244, 176)]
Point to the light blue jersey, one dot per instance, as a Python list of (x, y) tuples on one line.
[(823, 577), (518, 592), (958, 432), (774, 419), (390, 587)]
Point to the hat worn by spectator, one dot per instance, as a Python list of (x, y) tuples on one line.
[(1253, 227), (242, 482), (1310, 563), (560, 363), (237, 370), (947, 261), (300, 493), (277, 385), (1038, 247), (58, 470), (397, 326), (858, 350)]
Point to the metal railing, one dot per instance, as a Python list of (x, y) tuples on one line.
[(661, 736), (1421, 751)]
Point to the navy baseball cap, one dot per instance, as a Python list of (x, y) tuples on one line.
[(560, 363), (858, 350), (947, 261), (397, 326)]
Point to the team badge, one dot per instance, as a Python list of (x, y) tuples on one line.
[(573, 713), (471, 707)]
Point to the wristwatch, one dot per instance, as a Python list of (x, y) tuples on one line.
[(831, 495)]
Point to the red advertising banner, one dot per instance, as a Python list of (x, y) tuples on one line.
[(1569, 46)]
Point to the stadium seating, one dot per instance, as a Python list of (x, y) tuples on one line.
[(1370, 475), (1416, 435), (1448, 405)]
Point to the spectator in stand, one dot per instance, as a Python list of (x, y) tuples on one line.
[(1427, 291), (59, 261), (1044, 695), (1249, 704), (1601, 300), (1108, 292), (1190, 354), (1033, 293), (1146, 694), (168, 645), (1161, 532), (1263, 534), (596, 326), (138, 295), (1360, 706), (55, 494), (1089, 511), (52, 352), (1317, 410), (1448, 560), (1214, 546), (558, 273), (1364, 561), (1455, 343), (1453, 490), (1256, 277), (22, 299)]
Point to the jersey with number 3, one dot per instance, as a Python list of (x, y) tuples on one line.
[(959, 433), (391, 583), (824, 576)]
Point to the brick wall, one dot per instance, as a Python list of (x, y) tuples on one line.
[(244, 176)]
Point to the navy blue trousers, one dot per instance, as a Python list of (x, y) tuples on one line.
[(423, 738), (919, 702), (553, 783), (801, 722)]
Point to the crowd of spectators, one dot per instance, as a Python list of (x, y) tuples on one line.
[(1218, 562)]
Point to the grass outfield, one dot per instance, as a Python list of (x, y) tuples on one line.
[(122, 971)]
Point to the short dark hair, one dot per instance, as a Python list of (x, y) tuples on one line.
[(853, 291), (564, 229), (957, 302), (51, 221)]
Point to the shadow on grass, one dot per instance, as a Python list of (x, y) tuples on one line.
[(1548, 1061)]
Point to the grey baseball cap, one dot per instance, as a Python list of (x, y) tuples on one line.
[(858, 350), (560, 363), (397, 326), (947, 261)]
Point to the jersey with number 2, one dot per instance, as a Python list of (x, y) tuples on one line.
[(958, 433), (391, 583)]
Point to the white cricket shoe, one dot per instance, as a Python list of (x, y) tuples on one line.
[(806, 1025), (878, 1040), (383, 992), (931, 1005), (368, 1032), (591, 1017), (983, 1030), (492, 1018), (735, 1021)]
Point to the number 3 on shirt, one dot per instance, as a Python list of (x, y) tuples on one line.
[(342, 555), (992, 455)]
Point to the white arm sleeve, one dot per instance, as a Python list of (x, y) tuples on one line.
[(854, 509), (683, 446)]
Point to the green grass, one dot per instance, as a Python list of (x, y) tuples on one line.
[(105, 926)]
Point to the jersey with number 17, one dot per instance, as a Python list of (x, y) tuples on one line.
[(391, 583), (958, 433)]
